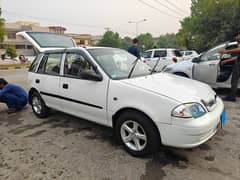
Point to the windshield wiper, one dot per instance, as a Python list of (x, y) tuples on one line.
[(153, 69), (133, 67)]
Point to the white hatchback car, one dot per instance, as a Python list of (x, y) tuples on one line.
[(108, 86), (161, 57), (206, 68)]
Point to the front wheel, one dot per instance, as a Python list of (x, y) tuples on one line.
[(38, 106), (137, 133)]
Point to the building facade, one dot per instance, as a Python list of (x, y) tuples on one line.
[(81, 40)]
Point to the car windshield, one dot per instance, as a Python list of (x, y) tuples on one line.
[(118, 63)]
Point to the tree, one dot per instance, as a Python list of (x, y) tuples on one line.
[(11, 51), (211, 22), (126, 42), (167, 41), (2, 30), (110, 39), (145, 41)]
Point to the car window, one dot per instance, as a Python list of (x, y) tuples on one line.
[(35, 63), (147, 54), (212, 54), (75, 64), (160, 53), (53, 64), (188, 53), (42, 64), (177, 53), (51, 40)]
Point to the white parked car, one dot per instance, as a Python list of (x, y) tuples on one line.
[(161, 57), (188, 54), (206, 68), (108, 86)]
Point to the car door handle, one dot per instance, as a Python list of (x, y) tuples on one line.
[(211, 64), (37, 81), (65, 86)]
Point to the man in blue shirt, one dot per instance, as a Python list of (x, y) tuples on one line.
[(13, 96), (134, 48)]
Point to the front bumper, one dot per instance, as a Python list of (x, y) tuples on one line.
[(188, 133)]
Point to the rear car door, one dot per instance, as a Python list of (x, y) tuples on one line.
[(81, 97), (207, 69), (48, 79)]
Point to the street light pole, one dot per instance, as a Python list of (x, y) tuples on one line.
[(136, 23)]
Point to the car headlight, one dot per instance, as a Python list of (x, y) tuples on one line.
[(191, 110)]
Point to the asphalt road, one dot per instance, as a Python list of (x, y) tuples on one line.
[(65, 147)]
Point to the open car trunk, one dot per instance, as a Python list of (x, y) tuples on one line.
[(43, 41)]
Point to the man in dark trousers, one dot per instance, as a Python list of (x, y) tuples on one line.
[(13, 96), (134, 48), (235, 70)]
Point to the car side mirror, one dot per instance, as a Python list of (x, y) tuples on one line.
[(90, 75), (226, 56), (196, 60)]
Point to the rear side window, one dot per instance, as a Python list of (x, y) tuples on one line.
[(188, 53), (42, 64), (53, 64), (35, 63), (177, 53), (147, 54), (161, 53)]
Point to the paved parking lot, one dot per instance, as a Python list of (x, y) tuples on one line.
[(65, 147)]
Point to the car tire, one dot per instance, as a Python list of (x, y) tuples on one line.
[(137, 133), (38, 106)]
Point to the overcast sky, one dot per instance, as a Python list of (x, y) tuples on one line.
[(93, 16)]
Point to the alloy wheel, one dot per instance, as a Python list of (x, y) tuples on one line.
[(133, 135)]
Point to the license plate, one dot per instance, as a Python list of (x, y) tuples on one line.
[(223, 118)]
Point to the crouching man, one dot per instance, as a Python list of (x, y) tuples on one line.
[(13, 96)]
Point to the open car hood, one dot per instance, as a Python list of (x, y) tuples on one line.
[(43, 41)]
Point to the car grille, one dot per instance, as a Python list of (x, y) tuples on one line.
[(211, 104)]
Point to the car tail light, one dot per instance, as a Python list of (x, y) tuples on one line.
[(174, 60)]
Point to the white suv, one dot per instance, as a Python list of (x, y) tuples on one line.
[(108, 86), (161, 57), (188, 54)]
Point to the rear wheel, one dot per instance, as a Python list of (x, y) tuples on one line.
[(137, 133), (38, 106)]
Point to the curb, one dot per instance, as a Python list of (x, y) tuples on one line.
[(14, 66)]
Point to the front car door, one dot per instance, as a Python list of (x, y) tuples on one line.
[(81, 97), (207, 69)]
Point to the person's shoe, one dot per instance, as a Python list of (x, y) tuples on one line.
[(10, 111), (230, 98)]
